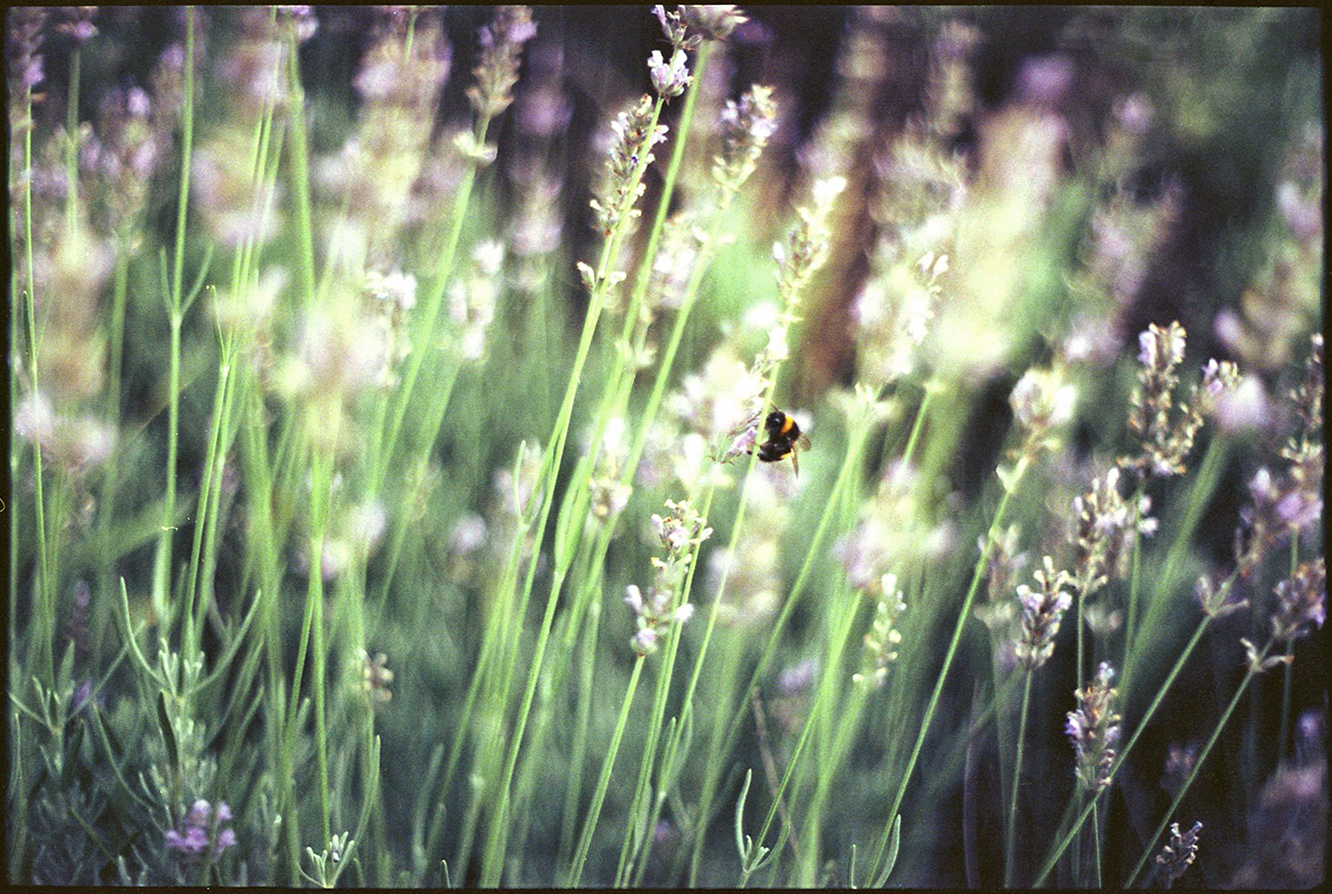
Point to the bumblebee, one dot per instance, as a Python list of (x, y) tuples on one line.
[(784, 439)]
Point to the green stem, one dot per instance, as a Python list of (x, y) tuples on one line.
[(1135, 590), (206, 510), (72, 144), (1196, 501), (186, 148), (300, 171), (1010, 837), (162, 559), (1096, 841), (717, 754), (549, 473), (1197, 765), (850, 465), (1063, 844), (963, 615), (830, 683), (578, 748), (227, 440), (914, 438), (262, 532), (119, 300), (322, 485), (162, 564), (659, 715), (486, 656), (836, 733), (434, 300), (712, 773), (1283, 745), (634, 832), (44, 630), (437, 411), (44, 626), (603, 782)]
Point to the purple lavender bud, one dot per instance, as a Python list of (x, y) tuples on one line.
[(137, 102), (634, 598), (1044, 80), (225, 839), (645, 641), (81, 696), (798, 678), (32, 73), (82, 31), (1262, 489), (198, 814), (1134, 114), (1146, 348)]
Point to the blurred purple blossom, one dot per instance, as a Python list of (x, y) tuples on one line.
[(1045, 80), (203, 827)]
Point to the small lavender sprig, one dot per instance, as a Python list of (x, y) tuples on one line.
[(669, 78), (883, 638), (1301, 602), (681, 531), (1094, 730), (1178, 855), (1042, 402), (633, 133), (203, 831), (713, 21), (746, 126), (1042, 609), (1164, 424), (501, 42)]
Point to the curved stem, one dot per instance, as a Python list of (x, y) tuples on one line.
[(1096, 841), (1064, 842), (72, 142), (603, 782), (963, 614), (1197, 765), (434, 300), (162, 559), (300, 171), (1010, 840), (550, 467)]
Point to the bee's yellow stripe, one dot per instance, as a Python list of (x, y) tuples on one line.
[(787, 423)]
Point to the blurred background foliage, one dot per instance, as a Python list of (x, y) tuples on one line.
[(1230, 89)]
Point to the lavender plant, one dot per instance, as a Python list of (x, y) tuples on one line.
[(390, 503)]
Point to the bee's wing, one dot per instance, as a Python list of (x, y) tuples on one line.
[(795, 461), (802, 442)]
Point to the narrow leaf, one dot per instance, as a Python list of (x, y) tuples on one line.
[(168, 735), (112, 748), (71, 753), (131, 635), (740, 843), (233, 647), (894, 840)]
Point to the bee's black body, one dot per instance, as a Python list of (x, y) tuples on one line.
[(784, 439)]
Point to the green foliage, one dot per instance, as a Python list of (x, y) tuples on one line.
[(391, 500)]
